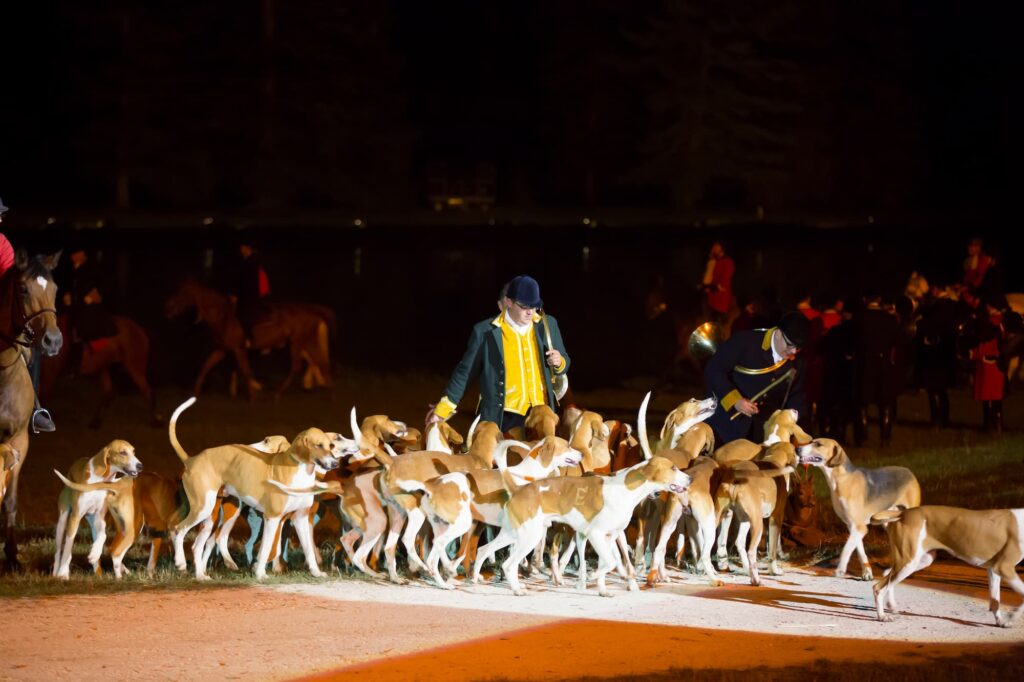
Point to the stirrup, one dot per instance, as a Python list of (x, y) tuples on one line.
[(42, 422)]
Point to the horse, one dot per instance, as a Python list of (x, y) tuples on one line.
[(304, 327), (28, 318), (129, 347)]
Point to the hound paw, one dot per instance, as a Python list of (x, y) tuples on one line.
[(606, 593), (633, 587), (1003, 621), (204, 578), (885, 618), (866, 574), (840, 573), (519, 592), (715, 582)]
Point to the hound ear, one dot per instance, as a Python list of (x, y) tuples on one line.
[(301, 446), (106, 461), (606, 430), (837, 454), (669, 422)]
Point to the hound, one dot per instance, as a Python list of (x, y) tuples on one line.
[(243, 472), (597, 507), (858, 494), (992, 539), (116, 458), (148, 499)]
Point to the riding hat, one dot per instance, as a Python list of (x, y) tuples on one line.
[(794, 326), (525, 291)]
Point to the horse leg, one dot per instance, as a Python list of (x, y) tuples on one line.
[(138, 377), (293, 371), (211, 361), (106, 395), (242, 359), (20, 443)]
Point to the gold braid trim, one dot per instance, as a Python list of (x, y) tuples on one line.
[(764, 370)]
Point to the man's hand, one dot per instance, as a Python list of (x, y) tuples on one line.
[(744, 406), (554, 359), (432, 417)]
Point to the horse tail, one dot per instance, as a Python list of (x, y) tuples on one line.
[(329, 317), (171, 430), (323, 342)]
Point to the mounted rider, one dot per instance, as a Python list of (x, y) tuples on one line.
[(41, 419)]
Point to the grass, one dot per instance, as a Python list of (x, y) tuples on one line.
[(37, 550)]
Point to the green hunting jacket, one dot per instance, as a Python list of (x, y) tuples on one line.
[(484, 357)]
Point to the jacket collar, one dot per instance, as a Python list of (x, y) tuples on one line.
[(766, 343), (497, 321)]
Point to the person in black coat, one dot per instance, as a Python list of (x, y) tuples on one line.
[(748, 362), (90, 318), (935, 357), (879, 379)]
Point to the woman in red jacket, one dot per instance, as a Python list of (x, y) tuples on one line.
[(989, 377)]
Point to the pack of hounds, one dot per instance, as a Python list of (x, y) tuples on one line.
[(575, 483)]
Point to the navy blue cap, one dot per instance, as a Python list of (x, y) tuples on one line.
[(525, 290)]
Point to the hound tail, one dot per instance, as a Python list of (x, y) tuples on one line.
[(319, 488), (172, 429), (888, 516), (761, 473), (507, 479), (85, 487), (641, 427)]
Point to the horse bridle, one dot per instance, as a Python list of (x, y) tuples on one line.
[(26, 331)]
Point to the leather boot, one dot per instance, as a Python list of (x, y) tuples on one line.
[(944, 408), (997, 416), (934, 409), (986, 416), (885, 419), (860, 427)]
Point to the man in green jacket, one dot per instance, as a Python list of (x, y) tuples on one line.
[(516, 355)]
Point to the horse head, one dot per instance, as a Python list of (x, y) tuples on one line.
[(35, 319), (185, 298)]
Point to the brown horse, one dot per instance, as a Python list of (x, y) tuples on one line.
[(27, 318), (128, 348), (304, 327)]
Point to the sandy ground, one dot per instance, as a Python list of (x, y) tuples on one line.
[(348, 628)]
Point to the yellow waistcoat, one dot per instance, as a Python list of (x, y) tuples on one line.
[(524, 377)]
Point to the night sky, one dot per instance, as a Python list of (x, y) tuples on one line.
[(834, 107)]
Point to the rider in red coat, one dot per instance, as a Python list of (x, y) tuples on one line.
[(717, 283), (989, 375)]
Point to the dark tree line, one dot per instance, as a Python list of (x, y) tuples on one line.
[(327, 104)]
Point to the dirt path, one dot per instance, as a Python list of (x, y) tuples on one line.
[(360, 629)]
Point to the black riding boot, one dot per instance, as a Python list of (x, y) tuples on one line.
[(986, 415), (934, 409), (860, 427), (885, 419), (997, 416), (944, 408)]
